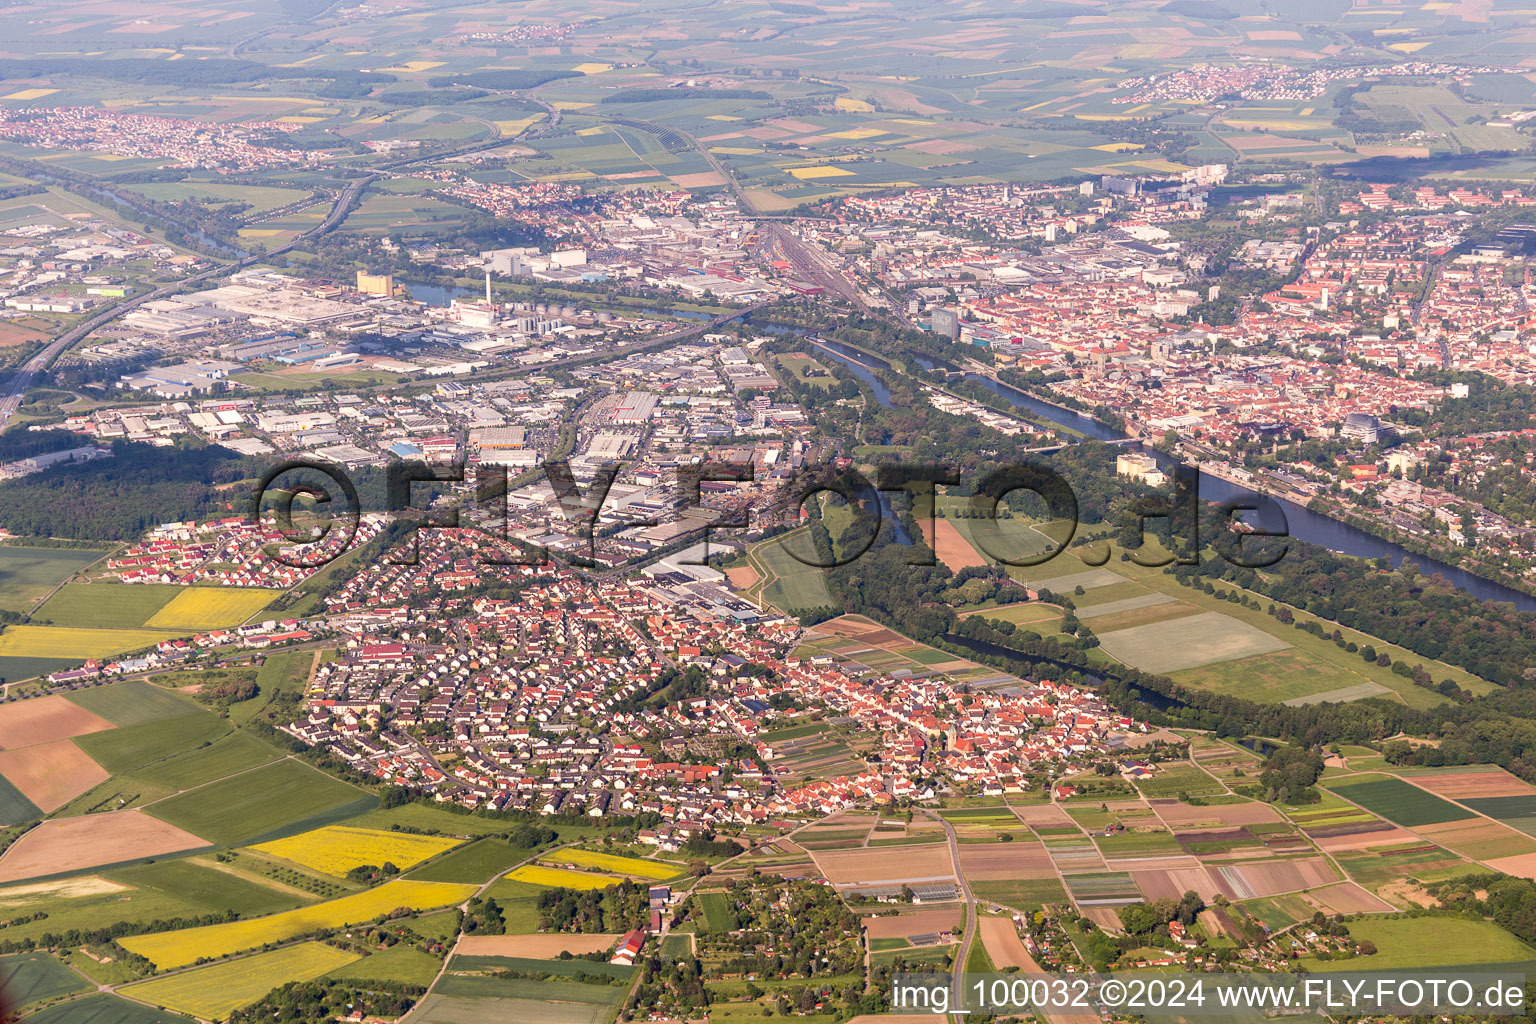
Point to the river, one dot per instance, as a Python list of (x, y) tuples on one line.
[(1300, 522)]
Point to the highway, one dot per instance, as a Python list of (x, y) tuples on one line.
[(10, 397), (22, 379)]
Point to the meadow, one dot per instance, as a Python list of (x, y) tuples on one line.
[(1417, 943), (130, 747), (337, 849), (402, 963), (205, 883), (212, 993), (179, 948), (1172, 779), (785, 581)]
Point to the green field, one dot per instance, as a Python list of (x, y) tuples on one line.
[(132, 747), (441, 1009), (1175, 778), (1397, 801), (130, 702), (1021, 893), (104, 605), (1518, 812), (785, 581), (104, 1009), (1189, 642), (468, 986), (212, 993), (280, 799), (433, 819), (32, 977), (14, 806), (28, 574), (562, 968), (1139, 844), (718, 914), (199, 883), (1414, 943), (226, 756), (477, 862), (261, 199), (401, 963)]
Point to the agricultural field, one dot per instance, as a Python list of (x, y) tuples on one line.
[(179, 948), (72, 644), (33, 977), (212, 993), (50, 775), (61, 845), (465, 995), (635, 867), (784, 581), (337, 849), (1021, 893), (401, 963), (1189, 642), (286, 797), (1172, 779), (198, 608), (131, 747), (1415, 943), (131, 702), (536, 947), (104, 1009), (477, 862), (27, 575), (1396, 800), (719, 916), (205, 882), (103, 605), (538, 874)]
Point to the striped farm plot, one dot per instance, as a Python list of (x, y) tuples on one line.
[(1396, 800)]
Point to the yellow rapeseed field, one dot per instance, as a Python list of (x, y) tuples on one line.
[(635, 866), (75, 642), (212, 993), (823, 171), (537, 874), (212, 607), (177, 949), (337, 849)]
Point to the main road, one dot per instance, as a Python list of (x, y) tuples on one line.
[(22, 379), (10, 397)]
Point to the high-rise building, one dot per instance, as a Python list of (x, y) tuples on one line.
[(375, 284), (947, 323)]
